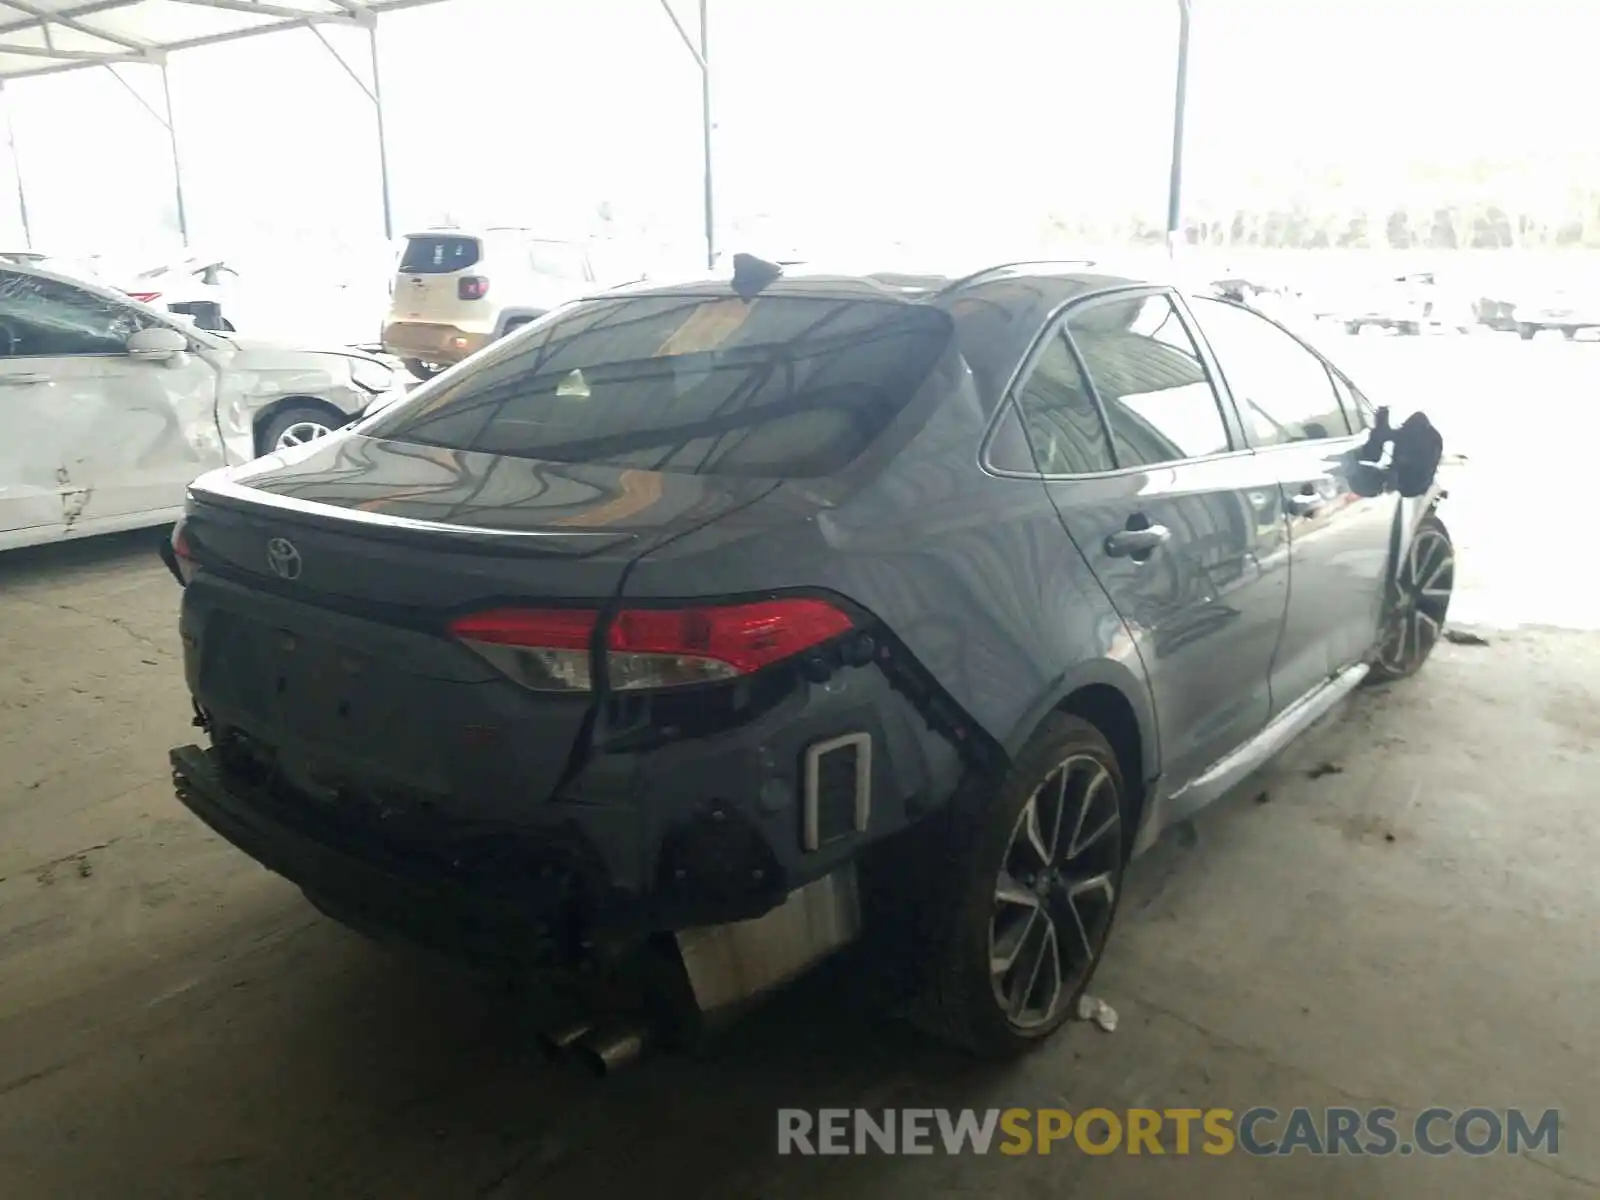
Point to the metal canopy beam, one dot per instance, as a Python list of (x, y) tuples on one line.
[(67, 21), (282, 12)]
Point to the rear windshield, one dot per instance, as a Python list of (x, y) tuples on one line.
[(435, 255), (784, 386)]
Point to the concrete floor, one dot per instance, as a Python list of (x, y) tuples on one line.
[(1416, 928)]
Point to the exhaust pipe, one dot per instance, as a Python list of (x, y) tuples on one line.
[(558, 1042), (608, 1049)]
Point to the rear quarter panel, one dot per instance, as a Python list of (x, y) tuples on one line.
[(972, 573)]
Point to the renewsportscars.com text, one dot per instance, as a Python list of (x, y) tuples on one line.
[(1257, 1131)]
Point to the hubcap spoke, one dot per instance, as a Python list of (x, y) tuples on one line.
[(1089, 902), (1011, 891), (1008, 944), (1039, 972), (300, 434)]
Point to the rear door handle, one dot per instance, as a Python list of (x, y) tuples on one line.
[(22, 380), (1132, 543)]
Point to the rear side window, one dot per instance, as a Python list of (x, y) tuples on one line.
[(1059, 414), (1147, 372), (778, 386), (437, 255)]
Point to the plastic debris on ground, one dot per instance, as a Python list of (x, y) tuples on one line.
[(1091, 1008)]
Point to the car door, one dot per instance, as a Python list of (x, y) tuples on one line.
[(1181, 527), (30, 453), (1302, 419), (117, 436)]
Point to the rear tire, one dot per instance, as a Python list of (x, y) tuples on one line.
[(1569, 333), (1037, 876), (1526, 332)]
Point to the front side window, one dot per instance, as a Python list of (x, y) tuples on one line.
[(1150, 379), (1357, 408), (44, 318), (778, 386), (1283, 391)]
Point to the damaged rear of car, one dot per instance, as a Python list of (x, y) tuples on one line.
[(573, 652)]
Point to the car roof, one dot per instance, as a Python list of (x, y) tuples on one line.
[(480, 231), (1063, 279), (998, 309)]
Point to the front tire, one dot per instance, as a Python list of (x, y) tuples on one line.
[(1526, 332), (1038, 880), (294, 426), (1417, 611)]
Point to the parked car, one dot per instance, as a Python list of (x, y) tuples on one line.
[(695, 631), (1562, 309), (456, 291), (1410, 305), (206, 290), (112, 407)]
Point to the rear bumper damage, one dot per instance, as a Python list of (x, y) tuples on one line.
[(665, 987)]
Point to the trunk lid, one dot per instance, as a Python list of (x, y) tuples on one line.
[(417, 527)]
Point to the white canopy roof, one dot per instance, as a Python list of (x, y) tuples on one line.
[(40, 37)]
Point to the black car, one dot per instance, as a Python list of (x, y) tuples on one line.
[(693, 632)]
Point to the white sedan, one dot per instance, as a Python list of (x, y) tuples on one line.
[(108, 407)]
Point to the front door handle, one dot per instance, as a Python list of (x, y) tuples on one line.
[(1136, 543), (26, 380)]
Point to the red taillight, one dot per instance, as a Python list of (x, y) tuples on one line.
[(146, 297), (472, 287), (182, 557), (549, 649)]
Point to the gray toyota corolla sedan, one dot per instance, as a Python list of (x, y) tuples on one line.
[(694, 632)]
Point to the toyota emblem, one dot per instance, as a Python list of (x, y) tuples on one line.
[(283, 558)]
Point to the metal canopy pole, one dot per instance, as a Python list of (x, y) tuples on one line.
[(177, 162), (705, 133), (383, 140), (16, 169), (373, 93), (702, 58), (164, 119), (1175, 179)]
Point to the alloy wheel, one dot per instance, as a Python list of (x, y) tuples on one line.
[(300, 433), (1056, 892), (1422, 600)]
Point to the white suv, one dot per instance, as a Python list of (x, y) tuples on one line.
[(457, 290)]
